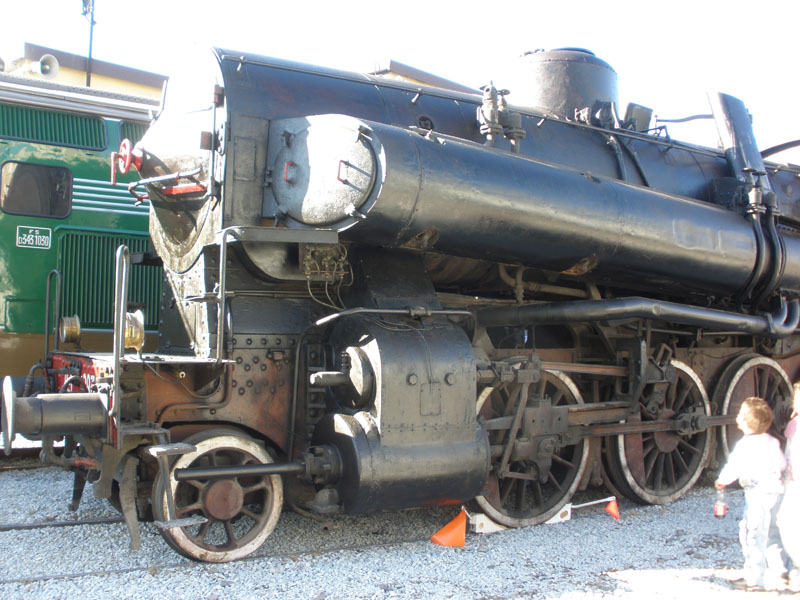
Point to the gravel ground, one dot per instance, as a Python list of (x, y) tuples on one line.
[(678, 551)]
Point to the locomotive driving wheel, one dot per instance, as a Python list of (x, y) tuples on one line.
[(752, 375), (521, 495), (241, 512), (661, 466)]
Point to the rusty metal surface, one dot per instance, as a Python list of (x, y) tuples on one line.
[(254, 393)]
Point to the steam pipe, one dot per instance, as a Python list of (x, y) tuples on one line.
[(769, 287), (537, 287), (758, 269), (777, 325), (779, 253), (741, 151), (783, 254)]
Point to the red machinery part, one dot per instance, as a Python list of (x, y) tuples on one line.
[(91, 370), (127, 155)]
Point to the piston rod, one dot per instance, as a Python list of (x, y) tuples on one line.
[(292, 468)]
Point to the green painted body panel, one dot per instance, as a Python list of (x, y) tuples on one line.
[(82, 244), (27, 123)]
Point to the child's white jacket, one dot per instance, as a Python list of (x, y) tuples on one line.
[(757, 461)]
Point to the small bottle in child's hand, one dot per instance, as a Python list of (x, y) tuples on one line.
[(720, 508)]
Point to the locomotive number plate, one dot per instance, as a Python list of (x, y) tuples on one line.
[(33, 237)]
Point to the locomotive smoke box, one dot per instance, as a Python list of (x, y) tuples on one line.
[(563, 80)]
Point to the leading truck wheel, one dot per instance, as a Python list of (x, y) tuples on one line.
[(661, 466), (241, 512), (520, 497)]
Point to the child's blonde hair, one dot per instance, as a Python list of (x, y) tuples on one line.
[(756, 414)]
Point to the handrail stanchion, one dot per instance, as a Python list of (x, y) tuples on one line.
[(57, 273), (121, 284)]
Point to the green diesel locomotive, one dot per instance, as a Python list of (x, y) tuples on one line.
[(58, 212)]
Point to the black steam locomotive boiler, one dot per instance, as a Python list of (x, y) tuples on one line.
[(382, 295)]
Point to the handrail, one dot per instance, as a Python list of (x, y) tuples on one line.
[(121, 285), (57, 273), (223, 274)]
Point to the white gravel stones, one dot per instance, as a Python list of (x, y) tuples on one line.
[(670, 552)]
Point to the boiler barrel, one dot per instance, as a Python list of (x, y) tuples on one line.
[(391, 186)]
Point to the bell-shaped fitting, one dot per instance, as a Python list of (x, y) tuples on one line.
[(69, 330), (134, 330)]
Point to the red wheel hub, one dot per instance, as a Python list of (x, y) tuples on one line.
[(666, 441), (126, 156), (223, 499)]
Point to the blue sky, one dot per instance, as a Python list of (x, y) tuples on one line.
[(667, 54)]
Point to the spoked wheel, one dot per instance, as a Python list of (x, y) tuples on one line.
[(660, 467), (241, 511), (522, 496), (752, 375)]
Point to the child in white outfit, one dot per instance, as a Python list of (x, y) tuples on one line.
[(788, 515), (757, 461)]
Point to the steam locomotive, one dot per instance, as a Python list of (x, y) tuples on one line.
[(383, 295)]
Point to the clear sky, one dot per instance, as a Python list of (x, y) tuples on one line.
[(667, 53)]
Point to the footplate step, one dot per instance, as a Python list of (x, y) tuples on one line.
[(170, 449), (185, 522), (162, 453)]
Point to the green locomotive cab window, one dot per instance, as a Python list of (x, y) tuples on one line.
[(35, 190)]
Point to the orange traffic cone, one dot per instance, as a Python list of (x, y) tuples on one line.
[(454, 533), (613, 509)]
